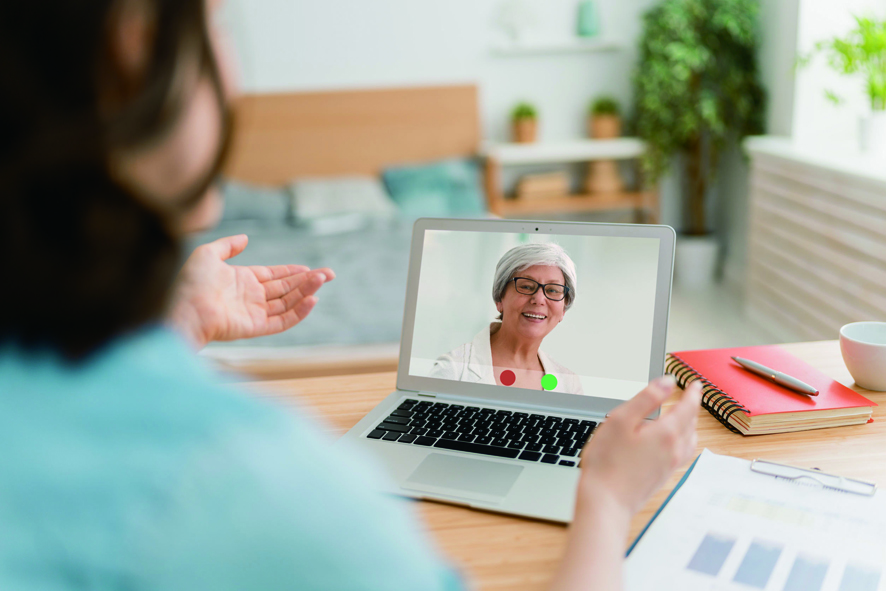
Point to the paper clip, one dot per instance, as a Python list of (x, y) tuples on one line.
[(839, 483)]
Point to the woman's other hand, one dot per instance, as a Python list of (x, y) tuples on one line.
[(629, 457), (625, 462), (217, 301)]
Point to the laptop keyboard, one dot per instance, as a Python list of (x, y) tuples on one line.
[(487, 431)]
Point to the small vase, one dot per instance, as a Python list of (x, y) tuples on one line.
[(872, 133), (525, 130), (604, 127), (588, 21)]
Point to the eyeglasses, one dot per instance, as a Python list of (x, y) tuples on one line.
[(553, 291)]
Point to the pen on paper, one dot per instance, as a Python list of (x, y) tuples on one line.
[(782, 379)]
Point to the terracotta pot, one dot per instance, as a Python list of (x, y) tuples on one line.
[(525, 130), (603, 177), (604, 127)]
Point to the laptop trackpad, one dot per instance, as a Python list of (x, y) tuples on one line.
[(466, 478)]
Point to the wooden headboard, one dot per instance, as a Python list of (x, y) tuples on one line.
[(280, 137)]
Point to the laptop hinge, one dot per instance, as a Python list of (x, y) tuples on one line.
[(426, 394)]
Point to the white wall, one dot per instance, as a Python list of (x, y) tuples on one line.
[(332, 44), (776, 60), (817, 121)]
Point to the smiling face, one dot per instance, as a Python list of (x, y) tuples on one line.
[(532, 316)]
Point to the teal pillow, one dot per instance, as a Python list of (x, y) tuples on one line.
[(449, 188), (243, 201)]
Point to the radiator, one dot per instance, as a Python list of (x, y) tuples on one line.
[(817, 241)]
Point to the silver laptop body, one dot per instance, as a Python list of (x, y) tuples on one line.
[(626, 288)]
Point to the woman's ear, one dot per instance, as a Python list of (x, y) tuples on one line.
[(498, 307)]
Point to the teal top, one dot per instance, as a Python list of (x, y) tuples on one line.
[(134, 470)]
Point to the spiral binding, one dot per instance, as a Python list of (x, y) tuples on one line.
[(717, 402)]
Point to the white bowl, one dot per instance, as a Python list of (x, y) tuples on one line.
[(863, 345)]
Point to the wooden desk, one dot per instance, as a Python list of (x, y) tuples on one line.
[(500, 552)]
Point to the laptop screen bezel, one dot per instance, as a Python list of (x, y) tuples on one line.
[(554, 400)]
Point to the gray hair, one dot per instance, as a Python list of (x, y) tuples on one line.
[(528, 255)]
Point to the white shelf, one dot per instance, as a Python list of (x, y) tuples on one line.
[(565, 151), (574, 45)]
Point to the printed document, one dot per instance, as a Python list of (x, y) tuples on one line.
[(730, 528)]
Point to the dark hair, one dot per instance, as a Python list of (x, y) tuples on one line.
[(84, 258)]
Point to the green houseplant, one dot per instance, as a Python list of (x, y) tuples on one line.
[(862, 53), (696, 88), (524, 121), (605, 118), (605, 105)]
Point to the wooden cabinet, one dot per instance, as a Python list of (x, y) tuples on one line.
[(499, 155)]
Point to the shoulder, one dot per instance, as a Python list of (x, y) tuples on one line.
[(267, 498), (451, 365), (281, 505), (207, 487)]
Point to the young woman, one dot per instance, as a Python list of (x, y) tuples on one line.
[(124, 465)]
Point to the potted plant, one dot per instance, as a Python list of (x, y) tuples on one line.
[(524, 122), (604, 122), (696, 89), (862, 52), (605, 118)]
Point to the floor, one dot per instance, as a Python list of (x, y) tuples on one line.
[(711, 317)]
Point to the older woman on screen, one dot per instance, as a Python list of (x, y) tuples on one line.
[(533, 287)]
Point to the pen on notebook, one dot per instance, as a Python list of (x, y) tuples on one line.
[(782, 379)]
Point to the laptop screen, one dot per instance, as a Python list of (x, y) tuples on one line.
[(569, 314)]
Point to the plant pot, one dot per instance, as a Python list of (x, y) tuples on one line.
[(604, 127), (603, 177), (525, 130), (696, 260), (872, 133)]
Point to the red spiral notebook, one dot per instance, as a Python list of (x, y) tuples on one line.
[(752, 405)]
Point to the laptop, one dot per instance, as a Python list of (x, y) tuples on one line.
[(468, 424)]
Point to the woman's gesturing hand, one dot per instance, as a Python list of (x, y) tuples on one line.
[(626, 461), (629, 457), (216, 301)]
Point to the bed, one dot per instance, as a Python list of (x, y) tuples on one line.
[(294, 137)]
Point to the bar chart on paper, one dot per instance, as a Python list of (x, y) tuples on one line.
[(756, 566), (728, 528)]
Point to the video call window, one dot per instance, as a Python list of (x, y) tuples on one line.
[(567, 314)]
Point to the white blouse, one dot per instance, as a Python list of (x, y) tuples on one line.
[(472, 362)]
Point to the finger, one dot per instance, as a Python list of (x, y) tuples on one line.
[(277, 271), (329, 273), (685, 410), (281, 287), (229, 247), (307, 288), (650, 398), (291, 317), (292, 298), (691, 446), (682, 418)]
